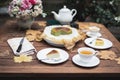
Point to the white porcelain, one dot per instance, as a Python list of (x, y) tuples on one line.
[(50, 42), (65, 15), (94, 30), (41, 55), (58, 40), (94, 62), (86, 57), (107, 43), (93, 35)]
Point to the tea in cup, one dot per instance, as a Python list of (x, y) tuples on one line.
[(94, 30), (86, 54)]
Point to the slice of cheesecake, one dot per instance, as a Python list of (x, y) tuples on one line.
[(53, 54), (99, 42)]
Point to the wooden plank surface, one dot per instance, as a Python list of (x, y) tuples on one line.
[(67, 69)]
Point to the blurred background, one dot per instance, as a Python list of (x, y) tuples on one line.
[(106, 12)]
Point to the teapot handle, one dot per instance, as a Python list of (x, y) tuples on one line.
[(73, 12)]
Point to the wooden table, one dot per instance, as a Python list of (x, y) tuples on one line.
[(8, 68)]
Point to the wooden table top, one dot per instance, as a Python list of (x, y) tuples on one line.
[(67, 69)]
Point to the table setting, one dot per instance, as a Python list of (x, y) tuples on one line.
[(58, 47), (66, 35), (57, 43)]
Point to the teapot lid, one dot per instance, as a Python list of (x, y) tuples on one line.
[(64, 9)]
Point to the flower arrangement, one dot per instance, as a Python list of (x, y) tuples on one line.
[(25, 8)]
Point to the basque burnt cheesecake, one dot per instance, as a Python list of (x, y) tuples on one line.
[(53, 54), (61, 34), (99, 42)]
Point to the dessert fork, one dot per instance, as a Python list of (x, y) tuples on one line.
[(53, 59), (92, 40)]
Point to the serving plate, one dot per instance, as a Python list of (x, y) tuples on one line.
[(59, 40), (53, 43)]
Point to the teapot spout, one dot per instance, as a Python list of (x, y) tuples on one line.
[(56, 16)]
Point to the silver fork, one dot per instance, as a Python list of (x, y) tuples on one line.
[(92, 40), (54, 59)]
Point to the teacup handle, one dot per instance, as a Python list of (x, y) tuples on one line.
[(75, 12), (96, 52)]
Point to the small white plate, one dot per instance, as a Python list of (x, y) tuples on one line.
[(107, 43), (41, 55), (91, 35), (94, 62)]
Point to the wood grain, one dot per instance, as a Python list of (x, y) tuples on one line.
[(9, 68)]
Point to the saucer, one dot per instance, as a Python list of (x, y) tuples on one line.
[(95, 35), (94, 62)]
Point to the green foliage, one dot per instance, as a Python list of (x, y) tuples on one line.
[(101, 11)]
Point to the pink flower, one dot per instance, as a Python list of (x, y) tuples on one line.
[(33, 2), (20, 8), (26, 5)]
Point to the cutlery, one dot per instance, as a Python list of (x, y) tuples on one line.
[(20, 45), (92, 40), (53, 59)]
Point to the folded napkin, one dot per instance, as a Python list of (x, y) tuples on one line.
[(27, 47)]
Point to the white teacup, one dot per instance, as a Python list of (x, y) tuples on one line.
[(94, 30), (86, 54)]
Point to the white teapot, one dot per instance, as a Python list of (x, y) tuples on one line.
[(65, 15)]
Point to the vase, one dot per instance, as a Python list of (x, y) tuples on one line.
[(25, 23)]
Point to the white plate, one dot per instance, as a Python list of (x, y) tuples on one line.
[(94, 62), (58, 40), (107, 43), (91, 35), (53, 44), (64, 56)]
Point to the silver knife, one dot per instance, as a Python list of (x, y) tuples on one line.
[(20, 45)]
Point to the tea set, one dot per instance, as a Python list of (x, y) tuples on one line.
[(86, 56), (94, 32), (65, 15)]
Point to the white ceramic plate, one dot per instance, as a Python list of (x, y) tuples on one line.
[(58, 40), (41, 55), (91, 35), (53, 44), (107, 43), (94, 62)]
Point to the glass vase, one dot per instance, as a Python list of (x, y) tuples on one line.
[(25, 22)]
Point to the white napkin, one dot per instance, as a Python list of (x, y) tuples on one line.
[(27, 47)]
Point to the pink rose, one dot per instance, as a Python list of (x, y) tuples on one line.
[(26, 5), (33, 2)]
